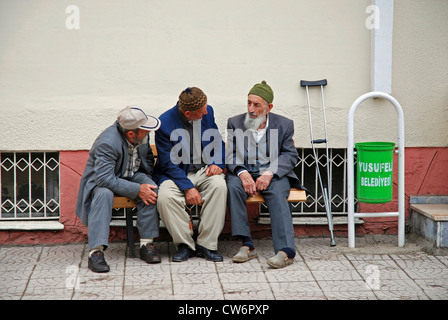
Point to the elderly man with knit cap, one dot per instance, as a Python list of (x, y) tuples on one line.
[(262, 161), (189, 171), (120, 162)]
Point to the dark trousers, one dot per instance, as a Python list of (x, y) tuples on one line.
[(275, 198)]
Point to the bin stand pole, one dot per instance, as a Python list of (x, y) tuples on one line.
[(350, 170)]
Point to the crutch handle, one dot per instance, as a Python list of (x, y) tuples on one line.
[(304, 83), (317, 141)]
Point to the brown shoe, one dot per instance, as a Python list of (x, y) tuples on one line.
[(149, 253)]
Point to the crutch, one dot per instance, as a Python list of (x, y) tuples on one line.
[(325, 193)]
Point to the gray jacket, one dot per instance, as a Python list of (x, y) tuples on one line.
[(286, 153), (105, 167)]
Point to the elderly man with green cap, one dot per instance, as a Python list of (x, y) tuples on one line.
[(260, 158)]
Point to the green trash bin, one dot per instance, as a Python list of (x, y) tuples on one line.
[(374, 171)]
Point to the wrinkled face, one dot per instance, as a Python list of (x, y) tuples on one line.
[(257, 106), (197, 114), (257, 112), (136, 138), (141, 135)]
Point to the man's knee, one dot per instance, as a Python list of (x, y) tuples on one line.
[(168, 193), (234, 183), (218, 183), (101, 193), (164, 191)]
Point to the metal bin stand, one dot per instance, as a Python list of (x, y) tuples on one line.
[(350, 171)]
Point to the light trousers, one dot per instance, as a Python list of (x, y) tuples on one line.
[(171, 207)]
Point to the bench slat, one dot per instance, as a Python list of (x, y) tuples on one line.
[(123, 202), (295, 195)]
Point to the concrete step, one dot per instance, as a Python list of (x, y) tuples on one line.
[(430, 220), (313, 220)]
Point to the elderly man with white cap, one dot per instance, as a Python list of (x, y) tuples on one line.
[(120, 162)]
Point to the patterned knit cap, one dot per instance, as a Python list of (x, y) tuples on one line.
[(192, 99)]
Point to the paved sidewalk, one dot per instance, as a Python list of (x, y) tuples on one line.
[(376, 270)]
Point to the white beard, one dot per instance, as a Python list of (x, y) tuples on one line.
[(254, 124)]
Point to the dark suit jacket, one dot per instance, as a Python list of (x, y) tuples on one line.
[(166, 168), (107, 164), (287, 153)]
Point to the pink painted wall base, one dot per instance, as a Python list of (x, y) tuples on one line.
[(426, 174)]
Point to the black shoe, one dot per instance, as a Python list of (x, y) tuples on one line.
[(210, 255), (182, 254), (149, 253), (97, 263)]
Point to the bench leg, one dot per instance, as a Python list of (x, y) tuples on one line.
[(130, 233)]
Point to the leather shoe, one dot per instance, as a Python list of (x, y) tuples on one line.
[(149, 253), (210, 255), (183, 253), (97, 263)]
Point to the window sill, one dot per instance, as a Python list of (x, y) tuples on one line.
[(31, 225)]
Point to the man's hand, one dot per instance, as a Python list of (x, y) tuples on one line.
[(263, 181), (192, 196), (147, 194), (213, 170), (248, 183)]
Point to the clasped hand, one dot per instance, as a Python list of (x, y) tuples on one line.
[(147, 194), (193, 196), (251, 187)]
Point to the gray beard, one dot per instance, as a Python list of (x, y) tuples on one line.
[(254, 124), (139, 142)]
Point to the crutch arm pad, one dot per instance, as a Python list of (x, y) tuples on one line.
[(304, 83)]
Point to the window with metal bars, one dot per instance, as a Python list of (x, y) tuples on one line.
[(30, 185)]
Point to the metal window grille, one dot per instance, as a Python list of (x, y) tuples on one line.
[(30, 185), (313, 210)]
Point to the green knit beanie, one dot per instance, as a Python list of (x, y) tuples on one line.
[(263, 90)]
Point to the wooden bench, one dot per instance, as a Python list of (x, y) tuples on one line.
[(295, 195), (126, 203)]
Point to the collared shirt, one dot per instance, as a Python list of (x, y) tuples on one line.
[(261, 161), (260, 133)]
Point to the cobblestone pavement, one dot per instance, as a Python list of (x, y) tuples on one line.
[(375, 270)]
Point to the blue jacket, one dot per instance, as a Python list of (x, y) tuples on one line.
[(167, 164)]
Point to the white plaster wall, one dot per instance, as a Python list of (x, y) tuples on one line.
[(60, 88)]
